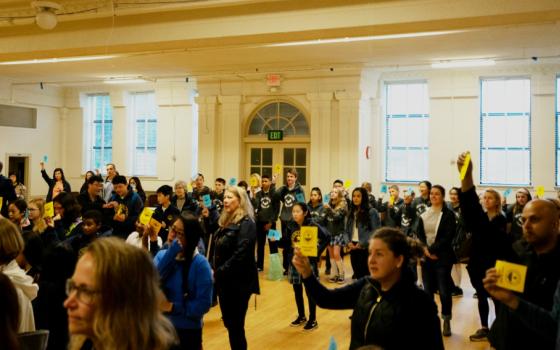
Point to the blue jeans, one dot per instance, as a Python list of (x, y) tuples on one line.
[(437, 276)]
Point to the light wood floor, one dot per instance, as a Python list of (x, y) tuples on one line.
[(267, 324)]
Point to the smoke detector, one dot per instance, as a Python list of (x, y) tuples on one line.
[(46, 14)]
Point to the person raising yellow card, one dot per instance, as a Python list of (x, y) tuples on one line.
[(308, 240)]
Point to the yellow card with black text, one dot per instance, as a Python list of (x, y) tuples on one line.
[(512, 276), (309, 240), (146, 216), (49, 210)]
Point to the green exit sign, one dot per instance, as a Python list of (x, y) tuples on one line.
[(275, 135)]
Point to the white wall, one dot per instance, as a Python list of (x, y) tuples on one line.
[(174, 131), (38, 142)]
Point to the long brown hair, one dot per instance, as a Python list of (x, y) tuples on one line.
[(127, 314), (40, 226)]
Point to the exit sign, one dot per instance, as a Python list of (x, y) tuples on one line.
[(275, 135)]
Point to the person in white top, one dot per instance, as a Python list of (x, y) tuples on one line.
[(144, 237), (11, 245)]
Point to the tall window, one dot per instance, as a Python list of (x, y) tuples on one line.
[(406, 132), (145, 133), (98, 131), (505, 123), (557, 132)]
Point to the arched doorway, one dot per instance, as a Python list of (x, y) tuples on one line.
[(265, 156)]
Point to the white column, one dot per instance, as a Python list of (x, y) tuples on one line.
[(231, 154), (320, 150), (121, 132), (348, 134), (207, 135)]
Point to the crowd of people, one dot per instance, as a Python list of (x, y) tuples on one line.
[(89, 269)]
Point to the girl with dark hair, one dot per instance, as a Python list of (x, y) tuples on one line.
[(187, 282), (84, 187), (57, 184), (21, 190), (360, 223), (301, 217), (9, 316), (315, 204), (136, 186), (67, 215), (390, 311), (17, 213), (335, 212), (436, 229), (420, 204)]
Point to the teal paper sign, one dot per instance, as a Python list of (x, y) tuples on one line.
[(233, 181), (207, 200), (384, 188), (300, 197)]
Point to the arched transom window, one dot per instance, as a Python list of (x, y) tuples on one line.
[(279, 116)]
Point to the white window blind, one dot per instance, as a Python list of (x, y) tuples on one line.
[(98, 131), (145, 133), (406, 132), (505, 123)]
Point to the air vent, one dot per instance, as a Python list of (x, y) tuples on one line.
[(19, 117)]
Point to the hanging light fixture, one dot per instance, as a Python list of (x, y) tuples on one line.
[(46, 15)]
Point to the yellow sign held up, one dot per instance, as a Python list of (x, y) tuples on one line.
[(465, 166), (512, 276), (1, 202), (253, 182), (391, 200), (49, 210), (540, 191), (347, 184), (277, 169), (146, 216), (309, 240)]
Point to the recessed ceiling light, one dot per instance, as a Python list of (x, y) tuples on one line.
[(58, 60)]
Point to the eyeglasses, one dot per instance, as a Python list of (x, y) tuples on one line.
[(178, 232), (83, 294)]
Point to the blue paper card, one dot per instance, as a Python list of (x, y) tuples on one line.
[(326, 198), (233, 181), (45, 158), (383, 188), (300, 197), (274, 234), (332, 344), (410, 190), (507, 192), (207, 200)]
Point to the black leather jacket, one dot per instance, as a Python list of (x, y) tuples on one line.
[(232, 255), (403, 317)]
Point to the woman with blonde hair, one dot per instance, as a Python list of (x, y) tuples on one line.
[(335, 213), (232, 255), (11, 245), (36, 208), (113, 300)]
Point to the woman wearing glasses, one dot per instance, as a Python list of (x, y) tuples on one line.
[(187, 282), (113, 300)]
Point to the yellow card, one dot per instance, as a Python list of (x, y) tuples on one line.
[(145, 216), (189, 187), (512, 276), (540, 191), (1, 202), (465, 165), (308, 240), (254, 182), (155, 225), (49, 210), (391, 200), (347, 184), (277, 169)]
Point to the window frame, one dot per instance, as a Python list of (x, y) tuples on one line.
[(386, 118), (90, 132), (556, 131), (506, 114), (134, 139)]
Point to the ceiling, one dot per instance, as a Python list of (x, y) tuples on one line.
[(230, 38)]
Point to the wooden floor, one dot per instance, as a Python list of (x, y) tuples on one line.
[(267, 324)]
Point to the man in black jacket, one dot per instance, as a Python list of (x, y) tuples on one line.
[(7, 193)]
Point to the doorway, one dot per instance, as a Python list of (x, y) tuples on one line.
[(19, 164), (267, 158)]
